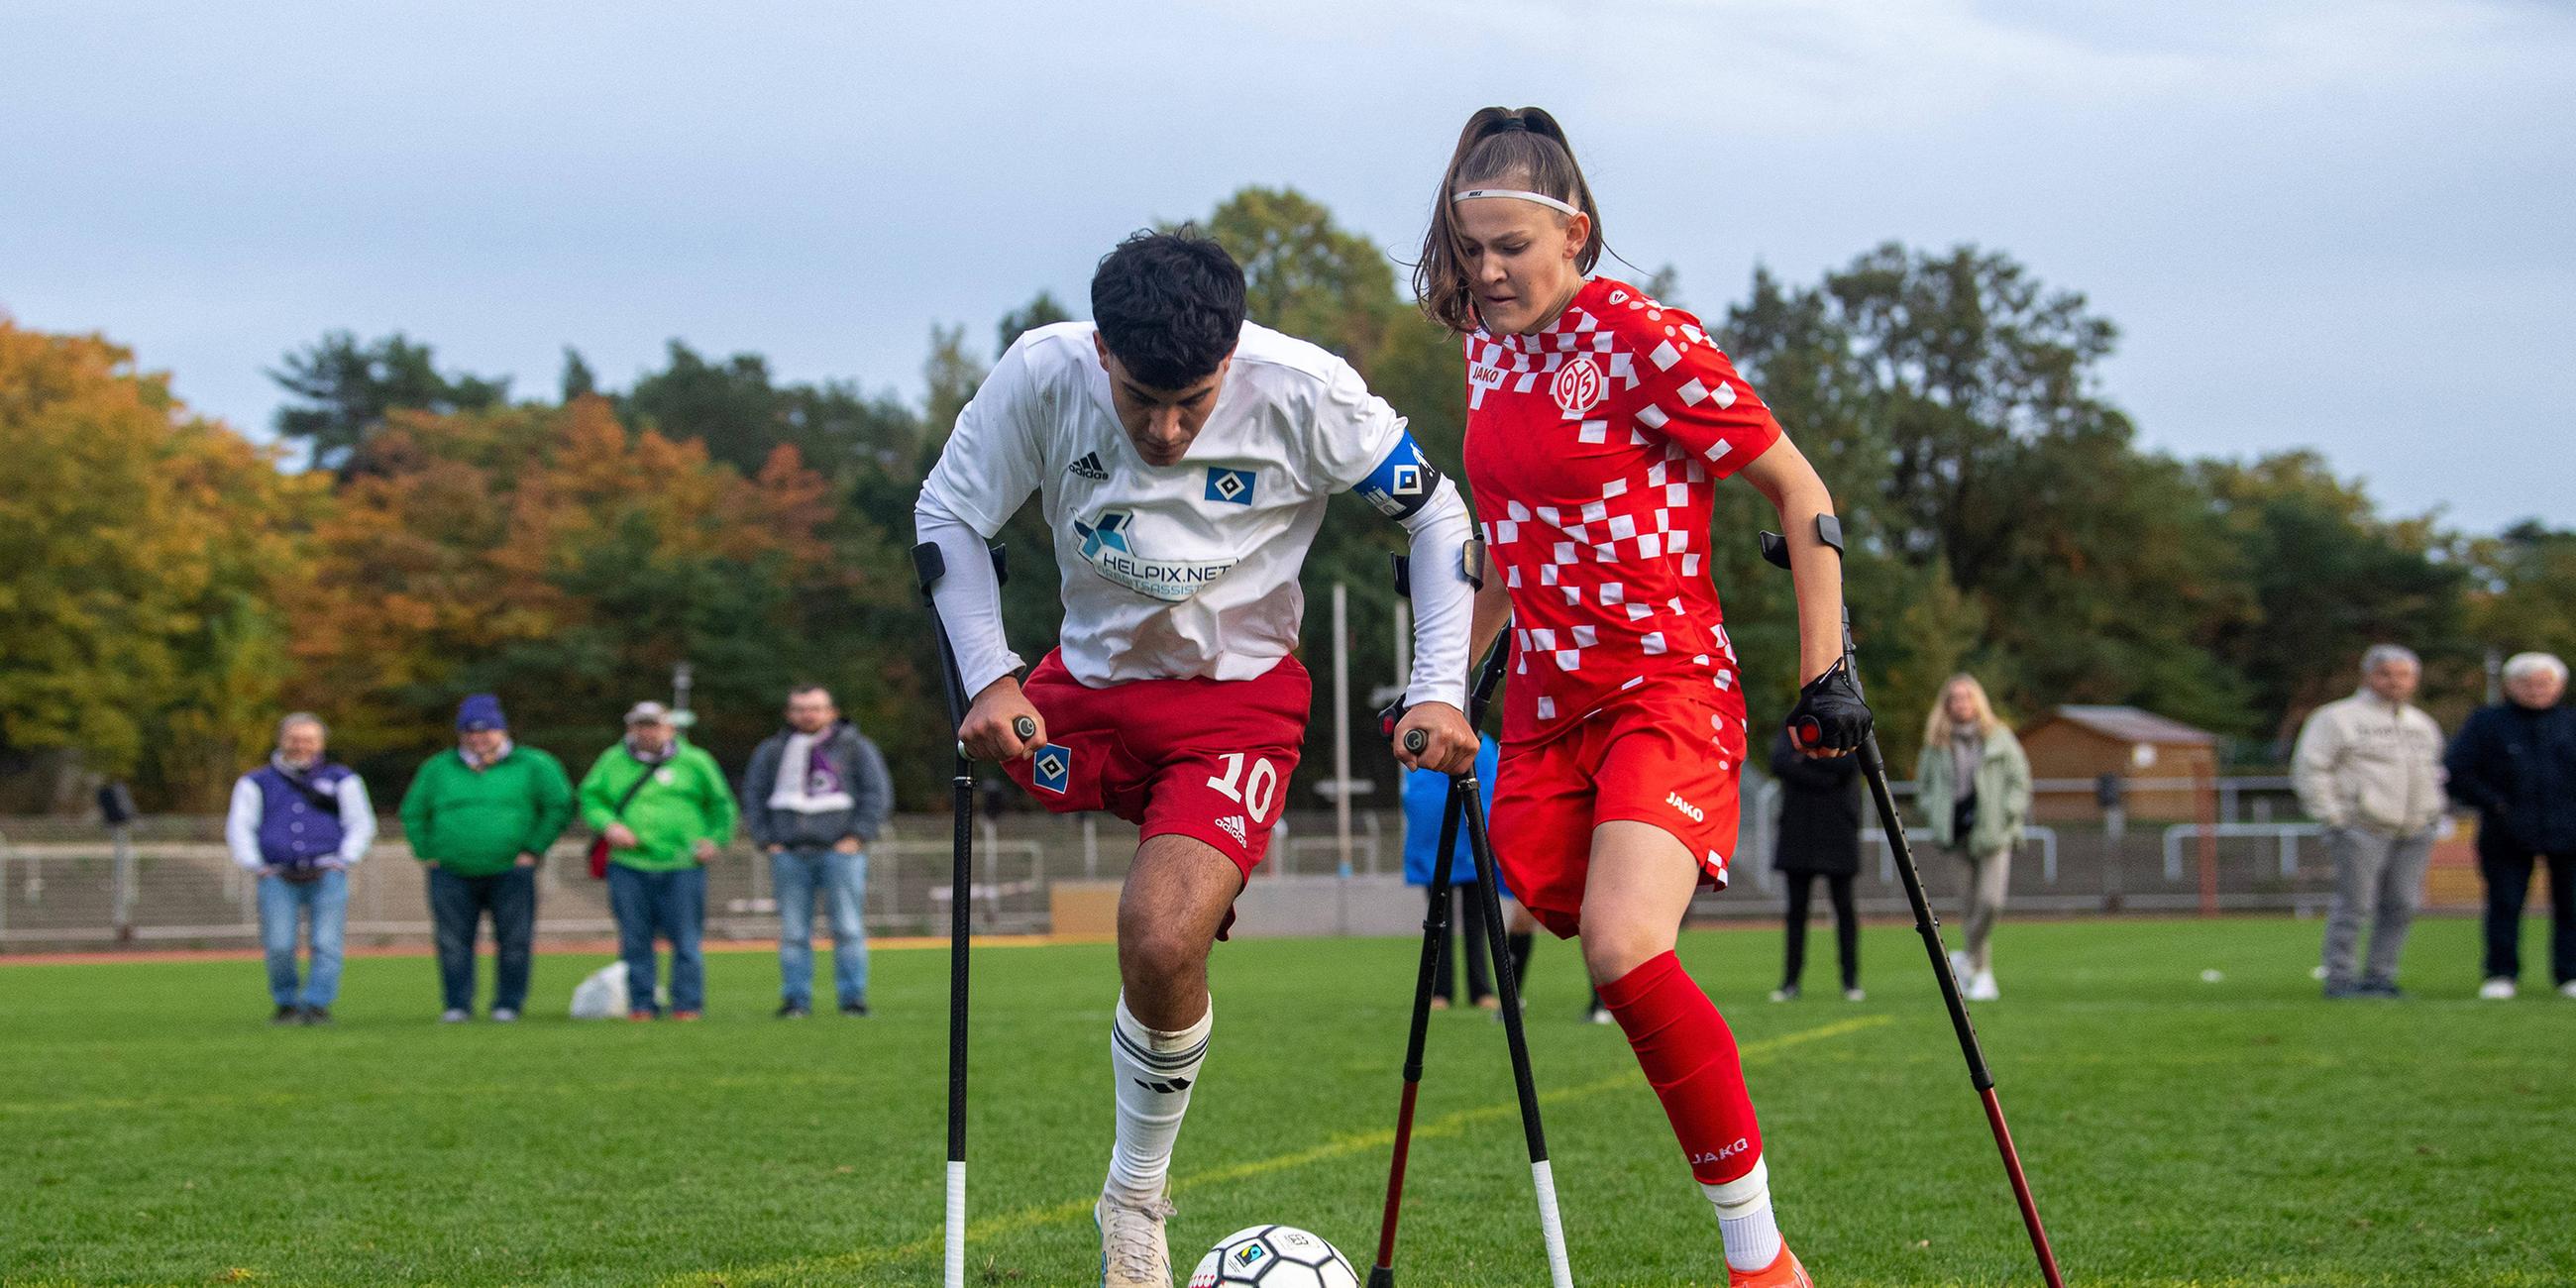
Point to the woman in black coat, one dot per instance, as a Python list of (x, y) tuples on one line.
[(1819, 837)]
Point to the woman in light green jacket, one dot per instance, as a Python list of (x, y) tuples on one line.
[(1972, 783)]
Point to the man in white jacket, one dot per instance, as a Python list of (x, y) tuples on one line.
[(299, 823), (2369, 767)]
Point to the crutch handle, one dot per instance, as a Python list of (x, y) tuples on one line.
[(1025, 727), (1417, 740)]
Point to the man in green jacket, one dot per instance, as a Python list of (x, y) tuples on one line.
[(478, 818), (666, 809)]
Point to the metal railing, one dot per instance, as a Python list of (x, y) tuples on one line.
[(59, 883)]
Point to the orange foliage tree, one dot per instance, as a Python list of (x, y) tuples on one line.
[(552, 556), (145, 549)]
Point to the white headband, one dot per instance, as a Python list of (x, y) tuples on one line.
[(1515, 194)]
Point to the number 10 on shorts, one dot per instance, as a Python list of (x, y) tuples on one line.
[(1255, 793)]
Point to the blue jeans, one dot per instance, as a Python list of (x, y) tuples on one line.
[(324, 904), (844, 881), (456, 907), (672, 905)]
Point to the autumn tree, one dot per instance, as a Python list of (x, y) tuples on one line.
[(147, 549), (558, 558)]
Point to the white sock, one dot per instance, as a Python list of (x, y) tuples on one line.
[(1154, 1070), (1744, 1219)]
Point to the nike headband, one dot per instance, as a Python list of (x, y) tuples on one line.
[(1515, 194)]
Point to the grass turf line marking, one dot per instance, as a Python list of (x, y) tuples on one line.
[(1339, 1146)]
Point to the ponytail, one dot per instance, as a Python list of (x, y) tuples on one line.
[(1499, 148)]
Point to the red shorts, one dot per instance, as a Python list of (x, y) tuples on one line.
[(1671, 758), (1207, 759)]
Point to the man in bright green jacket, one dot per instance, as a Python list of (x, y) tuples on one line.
[(666, 809), (478, 818)]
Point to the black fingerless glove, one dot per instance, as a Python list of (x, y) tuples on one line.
[(1830, 713)]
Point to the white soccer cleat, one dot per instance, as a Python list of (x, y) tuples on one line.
[(2498, 989), (1853, 994), (2568, 990), (1133, 1253), (1981, 987)]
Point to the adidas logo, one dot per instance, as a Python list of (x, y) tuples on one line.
[(1233, 825), (1089, 468), (1170, 1086)]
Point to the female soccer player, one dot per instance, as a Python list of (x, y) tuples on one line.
[(1598, 424)]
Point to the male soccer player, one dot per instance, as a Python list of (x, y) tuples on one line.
[(1183, 458)]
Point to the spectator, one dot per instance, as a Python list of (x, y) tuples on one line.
[(299, 823), (815, 796), (676, 812), (1820, 813), (479, 819), (2515, 763), (1426, 799), (2369, 768), (1973, 784)]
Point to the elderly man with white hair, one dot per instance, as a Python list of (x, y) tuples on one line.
[(299, 823), (2515, 764), (2369, 767)]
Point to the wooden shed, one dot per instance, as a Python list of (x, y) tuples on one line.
[(2168, 762)]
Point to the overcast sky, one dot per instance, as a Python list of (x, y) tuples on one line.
[(2346, 225)]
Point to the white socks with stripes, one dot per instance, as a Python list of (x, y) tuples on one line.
[(1744, 1219), (1154, 1069)]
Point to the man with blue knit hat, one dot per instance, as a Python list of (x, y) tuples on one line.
[(298, 824), (478, 818)]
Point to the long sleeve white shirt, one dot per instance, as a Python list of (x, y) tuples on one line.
[(241, 823)]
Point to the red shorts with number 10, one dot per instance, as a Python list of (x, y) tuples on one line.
[(1669, 754), (1206, 759)]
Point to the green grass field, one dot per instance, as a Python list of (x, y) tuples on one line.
[(153, 1129)]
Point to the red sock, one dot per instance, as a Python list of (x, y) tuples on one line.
[(1689, 1056)]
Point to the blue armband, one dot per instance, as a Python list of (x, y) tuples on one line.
[(1402, 483)]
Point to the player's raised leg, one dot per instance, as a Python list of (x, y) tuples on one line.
[(1640, 884), (1175, 899)]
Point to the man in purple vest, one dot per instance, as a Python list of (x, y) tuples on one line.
[(299, 823)]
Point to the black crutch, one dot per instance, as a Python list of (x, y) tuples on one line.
[(1874, 768), (1435, 934), (929, 566), (1466, 800)]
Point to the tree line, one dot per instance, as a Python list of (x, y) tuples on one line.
[(172, 587)]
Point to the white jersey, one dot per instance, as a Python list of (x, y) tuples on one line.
[(1187, 570)]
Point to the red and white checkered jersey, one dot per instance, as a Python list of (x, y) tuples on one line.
[(1593, 449)]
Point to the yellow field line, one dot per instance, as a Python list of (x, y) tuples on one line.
[(1338, 1147)]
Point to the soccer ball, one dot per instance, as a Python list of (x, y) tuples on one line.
[(1274, 1256)]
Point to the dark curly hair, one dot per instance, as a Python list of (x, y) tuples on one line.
[(1170, 305)]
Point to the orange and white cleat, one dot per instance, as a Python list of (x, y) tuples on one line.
[(1783, 1272)]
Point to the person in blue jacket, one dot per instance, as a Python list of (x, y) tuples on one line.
[(1426, 794)]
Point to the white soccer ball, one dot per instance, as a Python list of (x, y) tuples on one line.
[(1274, 1256)]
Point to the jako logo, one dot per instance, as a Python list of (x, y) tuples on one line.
[(1675, 800), (1741, 1144)]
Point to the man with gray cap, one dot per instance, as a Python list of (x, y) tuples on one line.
[(2369, 767), (299, 823), (478, 818), (665, 809)]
